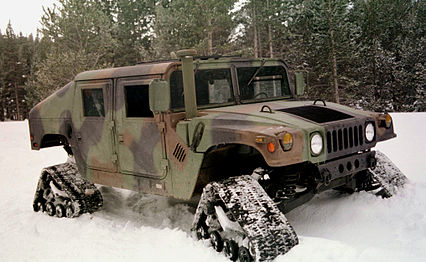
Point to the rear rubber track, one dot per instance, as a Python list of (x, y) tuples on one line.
[(63, 187)]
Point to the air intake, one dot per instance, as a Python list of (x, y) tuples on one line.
[(179, 153), (345, 138), (316, 114)]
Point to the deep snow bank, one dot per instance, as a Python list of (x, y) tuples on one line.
[(131, 227)]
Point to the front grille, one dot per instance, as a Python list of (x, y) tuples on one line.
[(346, 138)]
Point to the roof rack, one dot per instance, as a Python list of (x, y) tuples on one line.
[(216, 56), (157, 61)]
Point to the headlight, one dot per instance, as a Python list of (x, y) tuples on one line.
[(369, 132), (316, 144)]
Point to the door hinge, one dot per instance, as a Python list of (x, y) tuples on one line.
[(114, 158), (111, 125), (164, 167), (161, 127)]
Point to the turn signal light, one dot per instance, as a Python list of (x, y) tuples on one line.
[(388, 120), (287, 141), (271, 147), (260, 139)]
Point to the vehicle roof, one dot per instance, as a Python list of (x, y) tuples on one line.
[(154, 68), (157, 68)]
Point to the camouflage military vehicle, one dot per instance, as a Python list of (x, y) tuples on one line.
[(227, 130)]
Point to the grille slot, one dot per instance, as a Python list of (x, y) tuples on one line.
[(179, 153), (345, 138)]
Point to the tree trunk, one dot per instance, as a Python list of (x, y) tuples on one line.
[(1, 106), (271, 49), (18, 110), (255, 40), (376, 88), (259, 39), (333, 54), (209, 37)]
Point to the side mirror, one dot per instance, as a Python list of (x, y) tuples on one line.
[(159, 96), (300, 83)]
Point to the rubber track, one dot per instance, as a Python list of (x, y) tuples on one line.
[(388, 175), (265, 226), (84, 195)]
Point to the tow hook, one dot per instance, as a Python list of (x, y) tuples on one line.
[(326, 177), (372, 162)]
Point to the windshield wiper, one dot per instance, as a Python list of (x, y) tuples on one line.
[(257, 72)]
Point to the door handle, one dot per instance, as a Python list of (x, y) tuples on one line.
[(120, 139)]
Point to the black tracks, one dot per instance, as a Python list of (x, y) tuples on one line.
[(265, 230), (62, 187)]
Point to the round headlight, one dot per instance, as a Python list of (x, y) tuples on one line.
[(369, 132), (316, 144)]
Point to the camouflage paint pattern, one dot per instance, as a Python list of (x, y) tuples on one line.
[(157, 154)]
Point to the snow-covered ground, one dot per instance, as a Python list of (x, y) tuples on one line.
[(131, 227)]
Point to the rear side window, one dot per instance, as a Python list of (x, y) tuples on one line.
[(137, 101), (93, 102)]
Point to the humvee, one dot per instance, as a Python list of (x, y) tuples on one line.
[(228, 130)]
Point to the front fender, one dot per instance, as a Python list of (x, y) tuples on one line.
[(215, 135)]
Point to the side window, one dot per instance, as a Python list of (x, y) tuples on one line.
[(213, 88), (137, 101), (93, 102)]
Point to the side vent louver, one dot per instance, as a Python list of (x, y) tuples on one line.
[(179, 153)]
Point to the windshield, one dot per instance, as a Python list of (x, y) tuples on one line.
[(213, 88), (262, 83)]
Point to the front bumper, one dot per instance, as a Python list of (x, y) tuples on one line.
[(346, 166)]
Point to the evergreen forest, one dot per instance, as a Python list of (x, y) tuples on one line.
[(363, 53)]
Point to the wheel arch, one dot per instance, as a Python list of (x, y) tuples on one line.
[(51, 140), (226, 160)]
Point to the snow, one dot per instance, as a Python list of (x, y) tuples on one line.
[(131, 227)]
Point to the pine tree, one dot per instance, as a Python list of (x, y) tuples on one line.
[(2, 73), (391, 63), (77, 36), (205, 25), (80, 26), (15, 60), (133, 31), (327, 44)]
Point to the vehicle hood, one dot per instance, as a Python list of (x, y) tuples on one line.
[(293, 114)]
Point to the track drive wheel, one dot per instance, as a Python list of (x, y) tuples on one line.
[(244, 255), (202, 232), (216, 241), (69, 211), (39, 206), (50, 209), (60, 210), (230, 249)]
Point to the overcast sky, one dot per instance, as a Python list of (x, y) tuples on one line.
[(25, 15)]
